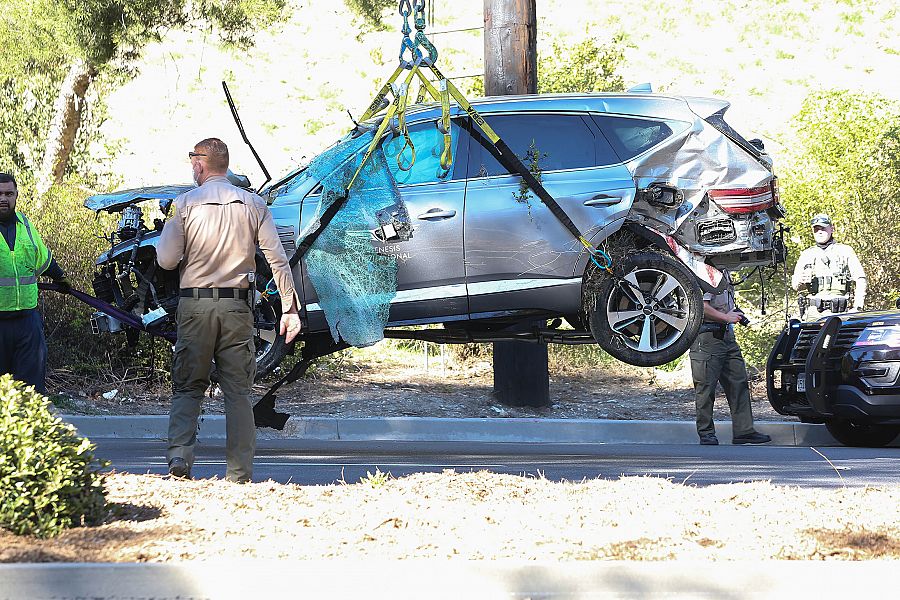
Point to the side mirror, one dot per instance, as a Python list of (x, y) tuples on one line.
[(898, 303)]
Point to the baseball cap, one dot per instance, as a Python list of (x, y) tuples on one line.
[(820, 219)]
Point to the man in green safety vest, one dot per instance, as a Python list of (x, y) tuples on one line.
[(23, 257)]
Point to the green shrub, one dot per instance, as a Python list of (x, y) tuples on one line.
[(49, 477)]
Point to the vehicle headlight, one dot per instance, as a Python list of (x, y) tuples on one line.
[(878, 374), (879, 335)]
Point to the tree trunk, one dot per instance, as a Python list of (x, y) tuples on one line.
[(63, 131)]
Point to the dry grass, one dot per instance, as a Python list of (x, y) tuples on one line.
[(476, 516)]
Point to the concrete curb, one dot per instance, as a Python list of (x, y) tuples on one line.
[(427, 429), (450, 579)]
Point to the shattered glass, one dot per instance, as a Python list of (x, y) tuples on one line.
[(354, 283)]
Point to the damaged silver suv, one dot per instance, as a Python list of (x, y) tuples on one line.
[(662, 184)]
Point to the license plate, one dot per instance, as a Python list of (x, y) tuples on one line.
[(801, 382)]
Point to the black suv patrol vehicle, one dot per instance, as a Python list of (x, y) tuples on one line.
[(842, 371)]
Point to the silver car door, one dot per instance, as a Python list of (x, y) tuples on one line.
[(518, 255), (431, 284)]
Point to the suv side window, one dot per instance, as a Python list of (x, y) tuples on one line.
[(429, 143), (564, 141), (631, 136)]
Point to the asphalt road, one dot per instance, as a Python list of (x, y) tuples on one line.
[(316, 462)]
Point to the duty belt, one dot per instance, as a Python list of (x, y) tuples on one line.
[(717, 329), (837, 305), (239, 293)]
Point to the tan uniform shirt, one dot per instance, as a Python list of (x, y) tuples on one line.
[(213, 235), (722, 302)]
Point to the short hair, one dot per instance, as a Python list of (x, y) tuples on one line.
[(216, 153), (7, 178)]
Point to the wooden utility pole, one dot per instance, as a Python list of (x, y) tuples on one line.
[(510, 47), (521, 377)]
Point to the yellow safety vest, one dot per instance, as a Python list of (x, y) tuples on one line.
[(20, 267)]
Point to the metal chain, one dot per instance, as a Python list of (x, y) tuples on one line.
[(406, 10), (421, 40)]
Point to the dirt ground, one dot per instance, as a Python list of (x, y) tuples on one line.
[(377, 383), (478, 515), (475, 516)]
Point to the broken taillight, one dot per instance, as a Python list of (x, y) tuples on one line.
[(745, 200)]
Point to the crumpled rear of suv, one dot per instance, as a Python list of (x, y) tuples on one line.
[(720, 197)]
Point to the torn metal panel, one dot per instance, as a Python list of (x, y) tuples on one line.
[(692, 162), (116, 201)]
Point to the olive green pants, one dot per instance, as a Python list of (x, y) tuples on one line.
[(220, 330), (716, 361)]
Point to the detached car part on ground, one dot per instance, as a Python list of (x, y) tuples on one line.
[(662, 184), (843, 371)]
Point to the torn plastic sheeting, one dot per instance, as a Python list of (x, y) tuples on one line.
[(354, 283)]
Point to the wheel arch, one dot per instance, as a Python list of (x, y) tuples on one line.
[(633, 237)]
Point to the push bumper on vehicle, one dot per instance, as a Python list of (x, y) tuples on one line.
[(832, 381)]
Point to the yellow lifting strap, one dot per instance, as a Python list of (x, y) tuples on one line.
[(402, 97), (443, 125), (380, 101), (446, 89), (420, 97), (392, 110)]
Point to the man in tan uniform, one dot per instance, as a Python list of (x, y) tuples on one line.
[(825, 272), (212, 238), (716, 358)]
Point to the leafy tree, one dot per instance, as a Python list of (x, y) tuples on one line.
[(372, 11), (843, 159), (587, 66), (846, 162), (70, 44)]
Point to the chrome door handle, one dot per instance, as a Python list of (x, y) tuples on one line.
[(602, 200), (436, 213)]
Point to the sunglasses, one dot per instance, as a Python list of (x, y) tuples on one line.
[(193, 154)]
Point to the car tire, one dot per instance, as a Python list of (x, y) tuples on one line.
[(864, 435), (270, 346), (812, 420), (655, 325)]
